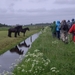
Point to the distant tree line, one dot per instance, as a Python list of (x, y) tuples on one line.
[(43, 24), (3, 25), (39, 24)]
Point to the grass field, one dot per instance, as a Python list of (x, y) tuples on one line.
[(7, 43), (48, 56)]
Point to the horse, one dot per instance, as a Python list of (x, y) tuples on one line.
[(15, 49), (15, 30), (23, 30)]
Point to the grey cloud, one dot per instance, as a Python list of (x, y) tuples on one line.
[(2, 11), (40, 17), (37, 10), (64, 2), (45, 11), (32, 11), (35, 1), (10, 5), (11, 2)]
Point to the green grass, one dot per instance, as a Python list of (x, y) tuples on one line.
[(7, 43), (61, 57), (4, 28), (47, 56)]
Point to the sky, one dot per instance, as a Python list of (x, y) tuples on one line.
[(25, 12)]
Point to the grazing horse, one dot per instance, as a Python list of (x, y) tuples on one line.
[(15, 30), (24, 30), (15, 49)]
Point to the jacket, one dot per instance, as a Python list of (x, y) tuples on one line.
[(72, 30), (58, 26)]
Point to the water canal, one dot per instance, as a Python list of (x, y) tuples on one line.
[(9, 58)]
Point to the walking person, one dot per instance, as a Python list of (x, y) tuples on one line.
[(64, 31), (72, 30), (69, 23), (73, 21), (53, 29), (58, 29)]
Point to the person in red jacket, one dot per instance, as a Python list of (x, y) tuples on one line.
[(72, 30)]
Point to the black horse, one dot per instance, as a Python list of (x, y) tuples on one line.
[(24, 30), (15, 30)]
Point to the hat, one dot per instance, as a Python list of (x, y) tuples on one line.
[(73, 19)]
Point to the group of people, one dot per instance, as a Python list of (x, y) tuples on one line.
[(62, 29)]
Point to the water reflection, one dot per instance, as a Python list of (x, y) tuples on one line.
[(23, 44), (13, 54), (31, 38), (17, 48)]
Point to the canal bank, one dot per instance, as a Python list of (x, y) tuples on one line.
[(9, 58)]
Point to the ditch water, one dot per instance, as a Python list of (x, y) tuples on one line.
[(9, 58)]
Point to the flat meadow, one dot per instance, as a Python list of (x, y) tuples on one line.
[(47, 56), (7, 43)]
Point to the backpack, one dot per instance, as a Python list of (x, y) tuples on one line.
[(65, 27), (72, 24)]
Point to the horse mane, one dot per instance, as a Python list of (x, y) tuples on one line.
[(18, 27)]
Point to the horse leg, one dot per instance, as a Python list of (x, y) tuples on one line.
[(9, 33), (24, 34), (15, 34), (18, 33)]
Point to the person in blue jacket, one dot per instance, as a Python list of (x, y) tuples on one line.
[(58, 29)]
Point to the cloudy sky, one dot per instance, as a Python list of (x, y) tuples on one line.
[(35, 11)]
